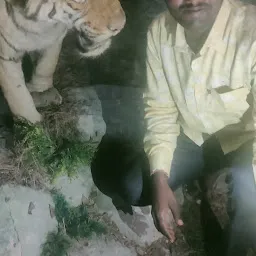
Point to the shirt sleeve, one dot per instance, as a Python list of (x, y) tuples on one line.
[(161, 113)]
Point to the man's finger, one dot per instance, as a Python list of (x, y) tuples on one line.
[(166, 222), (172, 234), (167, 231), (175, 210), (155, 220), (158, 223)]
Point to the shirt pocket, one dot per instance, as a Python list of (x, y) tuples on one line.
[(229, 90), (232, 102)]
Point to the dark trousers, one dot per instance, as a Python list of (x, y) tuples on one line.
[(123, 170)]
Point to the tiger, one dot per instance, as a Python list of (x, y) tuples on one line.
[(40, 26)]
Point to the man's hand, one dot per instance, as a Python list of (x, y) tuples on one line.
[(165, 209)]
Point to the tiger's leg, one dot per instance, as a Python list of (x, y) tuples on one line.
[(15, 91), (42, 79)]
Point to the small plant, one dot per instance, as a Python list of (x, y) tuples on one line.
[(37, 149), (76, 219), (68, 157), (33, 143), (57, 244), (73, 222)]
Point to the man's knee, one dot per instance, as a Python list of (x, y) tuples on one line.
[(244, 189), (243, 193)]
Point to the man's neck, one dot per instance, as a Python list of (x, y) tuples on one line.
[(196, 39)]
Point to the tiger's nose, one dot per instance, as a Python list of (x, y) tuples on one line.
[(117, 22)]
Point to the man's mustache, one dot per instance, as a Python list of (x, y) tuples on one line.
[(188, 6)]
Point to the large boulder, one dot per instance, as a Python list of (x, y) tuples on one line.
[(25, 220)]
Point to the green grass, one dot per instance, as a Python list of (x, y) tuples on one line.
[(68, 157), (36, 148), (76, 219), (73, 222), (33, 143), (57, 244)]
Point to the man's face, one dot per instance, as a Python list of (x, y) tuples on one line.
[(194, 14)]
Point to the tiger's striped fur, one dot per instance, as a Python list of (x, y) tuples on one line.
[(41, 25)]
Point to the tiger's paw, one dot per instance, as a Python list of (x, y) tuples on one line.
[(40, 84), (47, 98), (32, 116)]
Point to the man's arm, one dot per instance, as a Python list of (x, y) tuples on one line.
[(160, 140), (161, 113)]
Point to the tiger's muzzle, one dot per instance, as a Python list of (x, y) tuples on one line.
[(91, 43)]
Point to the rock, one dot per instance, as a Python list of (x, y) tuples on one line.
[(138, 227), (76, 188), (87, 108), (122, 110), (22, 233), (9, 239), (99, 246)]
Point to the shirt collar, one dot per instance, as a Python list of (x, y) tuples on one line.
[(215, 37)]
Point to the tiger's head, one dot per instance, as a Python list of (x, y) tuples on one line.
[(96, 21)]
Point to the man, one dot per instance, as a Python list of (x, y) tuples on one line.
[(201, 70), (201, 62)]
